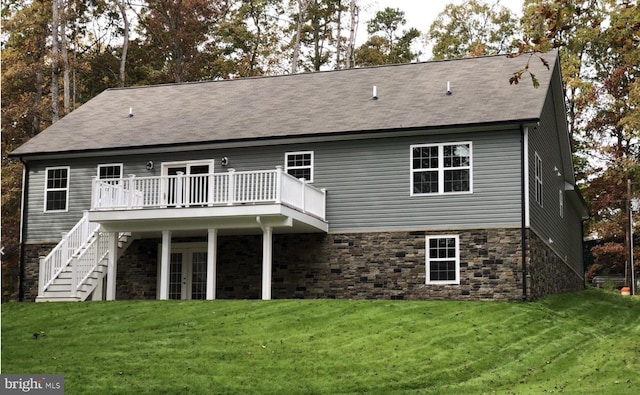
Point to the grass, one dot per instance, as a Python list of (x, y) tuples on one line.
[(580, 343)]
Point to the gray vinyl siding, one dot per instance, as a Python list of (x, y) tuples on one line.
[(370, 185), (565, 232), (48, 226), (367, 181)]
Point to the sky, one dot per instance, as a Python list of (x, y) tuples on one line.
[(418, 13)]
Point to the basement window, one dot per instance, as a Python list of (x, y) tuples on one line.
[(443, 259), (56, 189)]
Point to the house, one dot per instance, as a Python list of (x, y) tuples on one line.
[(413, 181)]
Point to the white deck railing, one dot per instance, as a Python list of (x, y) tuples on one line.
[(201, 190)]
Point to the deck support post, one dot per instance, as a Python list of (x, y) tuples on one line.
[(112, 265), (164, 265), (212, 252), (267, 251)]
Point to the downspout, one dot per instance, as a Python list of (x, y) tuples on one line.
[(23, 226), (523, 225), (584, 268)]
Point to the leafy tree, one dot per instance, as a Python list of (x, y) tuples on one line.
[(387, 21), (317, 34), (473, 28), (599, 42), (175, 30), (613, 132), (25, 111), (249, 38), (387, 48)]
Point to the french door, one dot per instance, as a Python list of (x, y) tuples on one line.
[(187, 183), (188, 274)]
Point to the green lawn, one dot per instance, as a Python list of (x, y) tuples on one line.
[(580, 343)]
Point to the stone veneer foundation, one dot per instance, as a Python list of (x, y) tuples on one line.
[(548, 274), (381, 265), (32, 254)]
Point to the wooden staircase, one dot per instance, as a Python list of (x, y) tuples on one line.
[(75, 270)]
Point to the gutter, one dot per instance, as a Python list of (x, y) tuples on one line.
[(523, 200), (269, 140), (23, 226)]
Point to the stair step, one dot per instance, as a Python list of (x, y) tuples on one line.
[(57, 299), (65, 274), (60, 287)]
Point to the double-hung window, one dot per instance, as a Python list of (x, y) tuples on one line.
[(441, 168), (443, 259), (299, 164), (56, 191), (110, 171), (538, 178)]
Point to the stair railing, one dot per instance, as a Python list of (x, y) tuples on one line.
[(88, 260), (71, 244)]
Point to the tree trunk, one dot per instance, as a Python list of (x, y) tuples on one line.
[(302, 9), (255, 14), (351, 45), (125, 44), (66, 94), (37, 100), (339, 35), (55, 55)]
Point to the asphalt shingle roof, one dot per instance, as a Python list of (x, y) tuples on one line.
[(409, 96)]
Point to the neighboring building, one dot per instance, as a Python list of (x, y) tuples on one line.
[(414, 181)]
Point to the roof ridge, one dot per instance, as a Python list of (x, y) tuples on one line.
[(308, 73)]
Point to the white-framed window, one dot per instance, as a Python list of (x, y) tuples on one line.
[(299, 164), (538, 178), (561, 202), (441, 168), (56, 189), (443, 259), (110, 171)]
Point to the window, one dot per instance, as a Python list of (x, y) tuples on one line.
[(443, 259), (110, 171), (56, 189), (299, 164), (561, 203), (441, 168), (538, 178)]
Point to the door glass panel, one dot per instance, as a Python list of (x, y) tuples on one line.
[(175, 276), (192, 189), (175, 188), (198, 184), (199, 275)]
